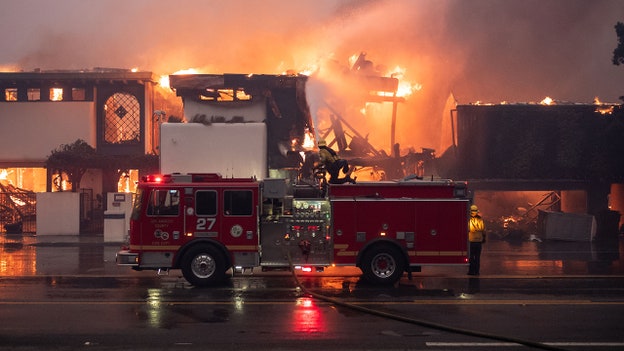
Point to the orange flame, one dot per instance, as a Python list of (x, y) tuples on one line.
[(56, 94), (603, 108), (405, 88), (308, 142), (164, 80)]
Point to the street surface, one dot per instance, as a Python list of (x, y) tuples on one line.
[(66, 293)]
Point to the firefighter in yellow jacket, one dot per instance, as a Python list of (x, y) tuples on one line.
[(476, 236), (333, 164)]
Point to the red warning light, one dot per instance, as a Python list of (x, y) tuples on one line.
[(153, 178)]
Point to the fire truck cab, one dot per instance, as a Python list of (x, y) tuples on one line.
[(206, 225)]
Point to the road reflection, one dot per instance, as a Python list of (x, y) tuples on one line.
[(553, 257), (307, 317), (154, 308), (17, 258)]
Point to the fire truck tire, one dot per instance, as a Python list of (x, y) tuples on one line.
[(383, 264), (203, 266)]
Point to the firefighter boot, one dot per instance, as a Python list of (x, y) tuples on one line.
[(348, 176), (350, 180)]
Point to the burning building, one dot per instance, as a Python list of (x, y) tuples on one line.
[(110, 109), (292, 110)]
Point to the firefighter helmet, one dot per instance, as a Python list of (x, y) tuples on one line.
[(322, 142), (474, 208)]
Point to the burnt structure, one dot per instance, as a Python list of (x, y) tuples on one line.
[(539, 147), (286, 111), (280, 102)]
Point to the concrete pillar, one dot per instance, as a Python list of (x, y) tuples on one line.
[(574, 201), (616, 200), (598, 197)]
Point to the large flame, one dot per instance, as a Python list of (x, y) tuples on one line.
[(405, 88), (164, 80)]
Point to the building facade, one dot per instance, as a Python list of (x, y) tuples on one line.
[(110, 109)]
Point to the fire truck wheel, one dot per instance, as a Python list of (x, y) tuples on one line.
[(383, 264), (203, 266)]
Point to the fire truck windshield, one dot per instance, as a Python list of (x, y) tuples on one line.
[(136, 204), (163, 202)]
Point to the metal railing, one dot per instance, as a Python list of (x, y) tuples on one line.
[(18, 212)]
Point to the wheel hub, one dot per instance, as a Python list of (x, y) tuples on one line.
[(383, 266), (203, 266)]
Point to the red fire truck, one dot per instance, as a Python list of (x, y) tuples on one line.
[(207, 225)]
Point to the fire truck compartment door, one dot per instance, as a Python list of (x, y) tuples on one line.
[(433, 231), (441, 230)]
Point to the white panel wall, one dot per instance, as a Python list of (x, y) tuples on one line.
[(58, 213), (232, 149), (31, 130)]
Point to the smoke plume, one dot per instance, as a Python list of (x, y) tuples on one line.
[(478, 50)]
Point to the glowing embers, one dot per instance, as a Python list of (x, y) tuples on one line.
[(602, 108), (605, 110), (307, 317)]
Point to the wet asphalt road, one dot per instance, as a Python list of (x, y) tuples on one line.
[(67, 293)]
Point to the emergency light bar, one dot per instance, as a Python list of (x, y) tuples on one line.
[(154, 178)]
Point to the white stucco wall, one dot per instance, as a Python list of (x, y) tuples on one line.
[(58, 213), (231, 149), (31, 130)]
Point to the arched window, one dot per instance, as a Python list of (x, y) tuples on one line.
[(122, 119)]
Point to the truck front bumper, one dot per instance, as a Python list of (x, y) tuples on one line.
[(127, 258)]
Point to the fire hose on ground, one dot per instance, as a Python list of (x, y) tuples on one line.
[(422, 323)]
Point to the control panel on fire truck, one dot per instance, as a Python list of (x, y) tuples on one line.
[(310, 218)]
